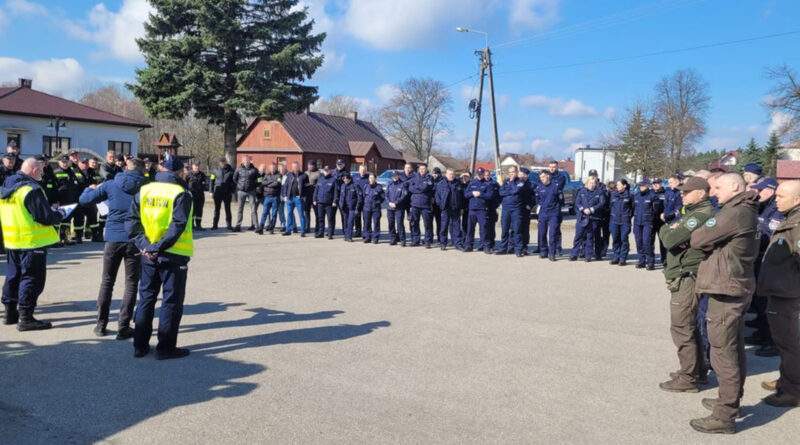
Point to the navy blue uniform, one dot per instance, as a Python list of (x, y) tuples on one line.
[(587, 227), (421, 190), (604, 233), (373, 198), (547, 198), (361, 182), (645, 206), (397, 194), (325, 195), (166, 274), (493, 217), (436, 211), (479, 208), (660, 204), (516, 198), (450, 199), (560, 179), (350, 199), (525, 219), (673, 205), (621, 212)]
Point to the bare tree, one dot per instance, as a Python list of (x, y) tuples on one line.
[(338, 105), (681, 104), (784, 98), (416, 115)]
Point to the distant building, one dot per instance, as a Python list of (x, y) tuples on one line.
[(790, 151), (788, 170), (727, 162), (410, 158), (604, 160), (304, 137), (444, 162), (517, 160), (29, 117)]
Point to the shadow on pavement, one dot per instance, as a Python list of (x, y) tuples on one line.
[(261, 316), (759, 415)]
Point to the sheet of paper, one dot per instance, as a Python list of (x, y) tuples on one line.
[(102, 208), (68, 209)]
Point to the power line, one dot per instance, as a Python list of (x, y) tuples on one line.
[(653, 54)]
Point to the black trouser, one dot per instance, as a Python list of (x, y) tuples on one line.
[(199, 201), (307, 206), (113, 255), (79, 220), (169, 278), (219, 199), (26, 273), (328, 211)]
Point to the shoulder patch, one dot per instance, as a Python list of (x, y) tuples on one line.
[(711, 222), (691, 223), (773, 224)]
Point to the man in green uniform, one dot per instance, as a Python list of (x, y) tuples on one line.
[(727, 276), (779, 280), (680, 273)]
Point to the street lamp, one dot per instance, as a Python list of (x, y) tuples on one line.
[(57, 122), (486, 64)]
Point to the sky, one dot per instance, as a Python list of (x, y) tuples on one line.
[(552, 97)]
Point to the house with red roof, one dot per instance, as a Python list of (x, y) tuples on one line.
[(305, 137), (788, 170), (727, 162), (43, 124)]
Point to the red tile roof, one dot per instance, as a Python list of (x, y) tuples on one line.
[(788, 170), (360, 148), (323, 133), (29, 102)]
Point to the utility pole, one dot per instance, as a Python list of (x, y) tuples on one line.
[(497, 171), (477, 109)]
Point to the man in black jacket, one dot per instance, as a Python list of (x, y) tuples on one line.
[(222, 187), (271, 189), (197, 182), (292, 192), (109, 168), (245, 177), (312, 176)]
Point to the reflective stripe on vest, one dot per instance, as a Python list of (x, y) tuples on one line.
[(20, 231), (156, 203)]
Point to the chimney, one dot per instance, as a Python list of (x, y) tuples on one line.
[(25, 83), (353, 115)]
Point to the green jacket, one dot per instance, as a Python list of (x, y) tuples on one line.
[(682, 260)]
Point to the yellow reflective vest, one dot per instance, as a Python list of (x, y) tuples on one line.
[(156, 201), (20, 231)]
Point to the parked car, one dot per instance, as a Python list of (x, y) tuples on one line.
[(386, 177)]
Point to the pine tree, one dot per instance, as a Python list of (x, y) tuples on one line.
[(227, 59), (642, 149), (752, 154), (770, 155)]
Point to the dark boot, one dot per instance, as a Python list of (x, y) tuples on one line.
[(97, 235), (100, 329), (712, 425), (782, 400), (12, 315), (124, 333), (678, 385), (79, 236), (28, 323)]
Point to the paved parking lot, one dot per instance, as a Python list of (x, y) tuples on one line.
[(316, 341)]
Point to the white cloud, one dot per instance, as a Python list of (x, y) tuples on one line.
[(514, 135), (386, 92), (558, 106), (534, 14), (753, 128), (609, 113), (541, 144), (115, 32), (779, 122), (64, 77), (23, 7), (334, 59), (572, 134), (513, 146)]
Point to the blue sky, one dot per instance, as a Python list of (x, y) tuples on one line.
[(71, 46)]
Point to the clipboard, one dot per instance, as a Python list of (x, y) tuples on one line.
[(68, 209)]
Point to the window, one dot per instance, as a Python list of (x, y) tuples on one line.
[(16, 138), (120, 147), (282, 161), (268, 133), (50, 146)]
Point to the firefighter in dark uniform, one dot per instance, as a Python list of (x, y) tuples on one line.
[(159, 222), (83, 216), (28, 222), (198, 183), (66, 193)]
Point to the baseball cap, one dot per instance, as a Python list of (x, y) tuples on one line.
[(395, 173), (644, 181), (694, 183), (480, 171), (766, 183), (525, 170), (592, 172), (753, 168), (437, 170), (339, 162), (173, 164)]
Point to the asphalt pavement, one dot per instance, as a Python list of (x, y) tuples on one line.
[(302, 340)]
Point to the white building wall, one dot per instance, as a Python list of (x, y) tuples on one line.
[(85, 136), (604, 161)]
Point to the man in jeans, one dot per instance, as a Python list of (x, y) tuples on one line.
[(293, 197), (118, 194), (271, 188), (245, 177)]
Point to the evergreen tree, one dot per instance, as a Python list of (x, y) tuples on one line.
[(770, 155), (752, 154), (227, 59), (642, 146)]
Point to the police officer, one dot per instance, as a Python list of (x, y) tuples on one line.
[(465, 180), (312, 176), (779, 280), (644, 215), (338, 175), (494, 204), (159, 222), (525, 224), (449, 197), (601, 237), (198, 184), (560, 179), (752, 173), (373, 198), (407, 174), (589, 203), (28, 222), (118, 194), (515, 198), (620, 214), (421, 189), (673, 204), (549, 203), (361, 181), (325, 196), (480, 195), (350, 199), (436, 211), (13, 148), (66, 193), (222, 187), (397, 205), (660, 203), (681, 273), (150, 170), (769, 218), (727, 277)]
